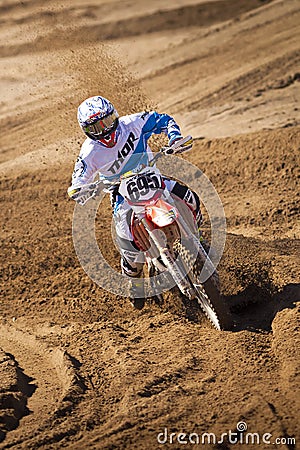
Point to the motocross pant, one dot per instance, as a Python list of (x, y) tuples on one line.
[(132, 259)]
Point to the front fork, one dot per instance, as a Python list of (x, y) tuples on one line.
[(159, 241)]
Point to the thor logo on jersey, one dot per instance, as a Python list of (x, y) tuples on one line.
[(128, 147)]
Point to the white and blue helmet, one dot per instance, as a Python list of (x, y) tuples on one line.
[(97, 117)]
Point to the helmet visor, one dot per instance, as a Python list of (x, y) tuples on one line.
[(101, 127)]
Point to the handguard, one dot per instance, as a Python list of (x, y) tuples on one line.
[(83, 193), (180, 146)]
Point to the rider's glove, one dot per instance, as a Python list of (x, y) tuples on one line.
[(173, 139), (180, 145), (81, 195)]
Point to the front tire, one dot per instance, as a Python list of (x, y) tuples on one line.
[(207, 293)]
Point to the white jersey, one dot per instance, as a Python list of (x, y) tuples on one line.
[(130, 151)]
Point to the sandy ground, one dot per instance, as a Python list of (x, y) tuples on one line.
[(78, 367)]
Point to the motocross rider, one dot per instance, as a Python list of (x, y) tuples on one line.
[(114, 146)]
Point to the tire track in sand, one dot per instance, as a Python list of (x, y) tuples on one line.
[(52, 374)]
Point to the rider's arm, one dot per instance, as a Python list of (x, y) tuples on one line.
[(83, 174), (161, 123)]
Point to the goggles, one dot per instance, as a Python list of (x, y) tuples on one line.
[(101, 126)]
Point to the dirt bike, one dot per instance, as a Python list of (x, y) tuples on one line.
[(165, 231)]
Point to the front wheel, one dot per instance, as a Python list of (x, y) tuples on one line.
[(208, 293), (210, 300)]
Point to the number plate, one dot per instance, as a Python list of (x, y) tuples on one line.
[(141, 187)]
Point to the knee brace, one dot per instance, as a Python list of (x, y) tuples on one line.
[(131, 268), (190, 198)]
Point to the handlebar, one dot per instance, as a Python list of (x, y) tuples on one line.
[(92, 190), (162, 152)]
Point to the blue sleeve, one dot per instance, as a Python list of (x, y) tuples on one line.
[(156, 123)]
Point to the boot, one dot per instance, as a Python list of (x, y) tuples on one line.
[(136, 293), (136, 290)]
